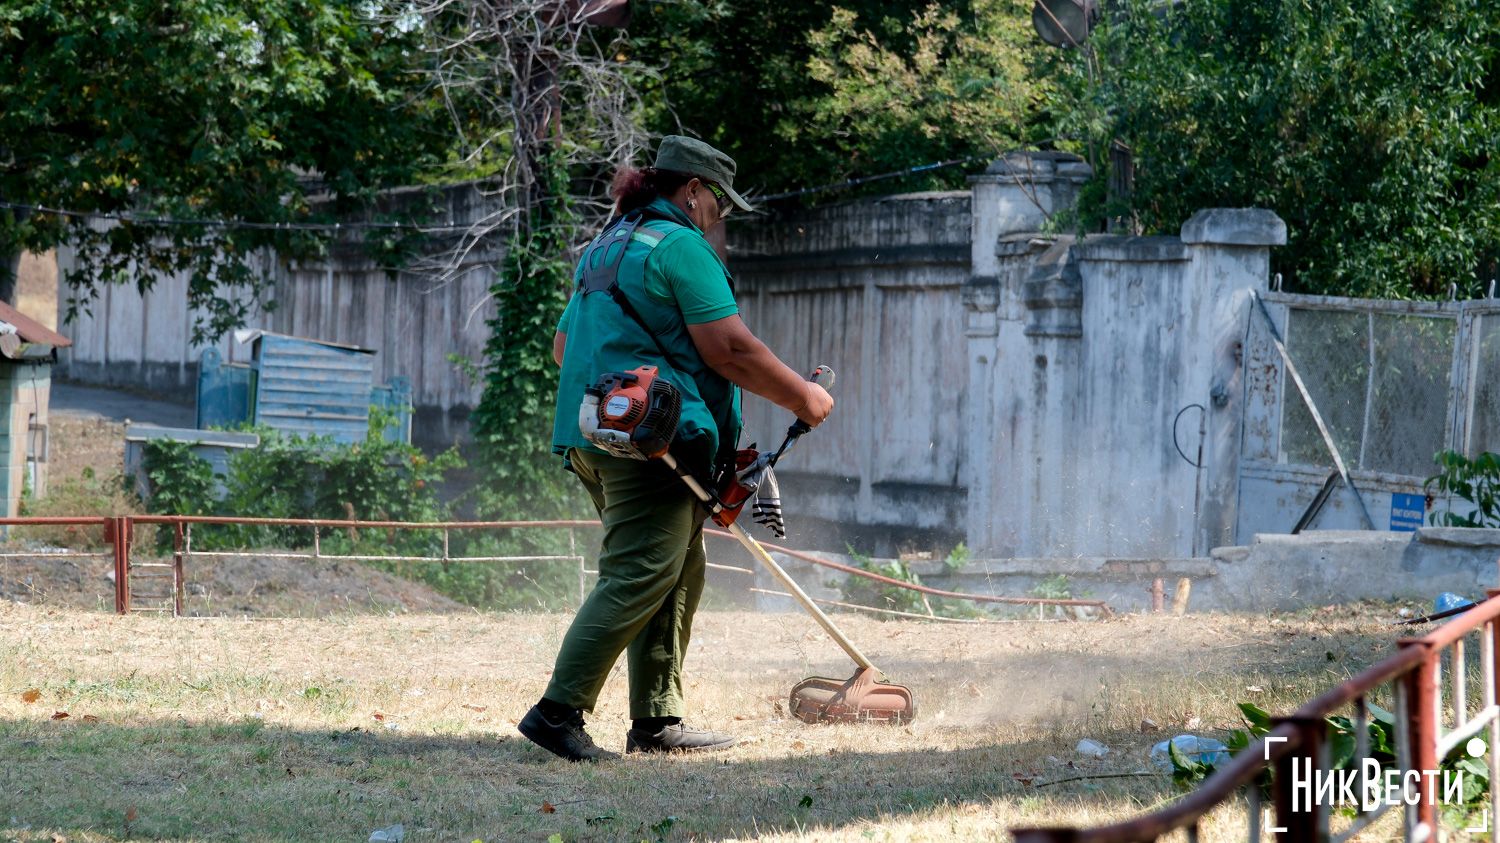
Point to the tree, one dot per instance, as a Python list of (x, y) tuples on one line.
[(1371, 128), (806, 94), (206, 110), (545, 86)]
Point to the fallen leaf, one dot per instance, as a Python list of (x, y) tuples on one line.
[(130, 814), (89, 718), (379, 716), (1024, 778), (30, 696), (798, 745), (59, 715), (548, 807), (473, 707)]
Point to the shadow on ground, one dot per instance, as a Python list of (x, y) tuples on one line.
[(246, 781)]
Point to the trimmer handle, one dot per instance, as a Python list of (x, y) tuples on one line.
[(822, 376)]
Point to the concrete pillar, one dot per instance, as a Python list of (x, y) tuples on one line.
[(1230, 253), (1012, 202)]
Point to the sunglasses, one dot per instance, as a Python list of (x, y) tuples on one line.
[(726, 205)]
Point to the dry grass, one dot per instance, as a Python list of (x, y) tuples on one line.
[(308, 729)]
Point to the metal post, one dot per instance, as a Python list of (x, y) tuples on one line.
[(1304, 823), (583, 575), (1491, 696), (1252, 792), (127, 539), (1458, 674), (177, 586), (112, 531), (1422, 724)]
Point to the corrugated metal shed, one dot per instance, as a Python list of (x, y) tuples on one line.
[(312, 388)]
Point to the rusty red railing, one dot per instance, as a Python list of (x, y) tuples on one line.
[(1426, 731), (119, 533)]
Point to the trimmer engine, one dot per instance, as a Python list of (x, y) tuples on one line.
[(631, 414)]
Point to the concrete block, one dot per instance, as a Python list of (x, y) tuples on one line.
[(1235, 227)]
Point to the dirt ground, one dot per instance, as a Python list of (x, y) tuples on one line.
[(331, 728), (80, 444), (323, 701)]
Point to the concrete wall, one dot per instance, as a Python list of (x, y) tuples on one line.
[(1005, 386), (413, 320), (873, 289), (1087, 351), (1271, 572)]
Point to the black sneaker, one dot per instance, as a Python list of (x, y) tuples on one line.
[(677, 738), (565, 740)]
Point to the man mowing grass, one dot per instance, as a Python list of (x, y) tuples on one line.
[(678, 314)]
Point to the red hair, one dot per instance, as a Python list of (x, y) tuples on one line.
[(632, 188)]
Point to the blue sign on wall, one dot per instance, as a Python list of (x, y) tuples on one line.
[(1407, 512)]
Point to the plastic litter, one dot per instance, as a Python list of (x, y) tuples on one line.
[(390, 834), (1448, 601), (1202, 750), (1092, 748)]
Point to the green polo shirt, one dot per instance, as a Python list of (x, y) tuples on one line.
[(673, 277)]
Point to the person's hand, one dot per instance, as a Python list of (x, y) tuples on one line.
[(816, 405)]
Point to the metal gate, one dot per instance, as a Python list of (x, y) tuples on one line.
[(1391, 383)]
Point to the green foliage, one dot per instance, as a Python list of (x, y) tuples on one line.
[(204, 109), (879, 595), (804, 94), (1053, 588), (1343, 747), (1369, 127), (1474, 481), (512, 426), (867, 592), (182, 483), (957, 558), (296, 477)]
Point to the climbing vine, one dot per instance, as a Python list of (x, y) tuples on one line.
[(512, 425)]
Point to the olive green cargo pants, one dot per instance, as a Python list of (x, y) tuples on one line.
[(651, 570)]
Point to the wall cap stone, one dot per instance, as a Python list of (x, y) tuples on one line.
[(1316, 537), (1035, 167), (1116, 247), (1235, 227), (1459, 536)]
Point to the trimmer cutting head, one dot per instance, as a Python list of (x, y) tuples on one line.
[(862, 698)]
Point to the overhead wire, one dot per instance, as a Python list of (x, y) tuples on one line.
[(328, 227), (378, 225)]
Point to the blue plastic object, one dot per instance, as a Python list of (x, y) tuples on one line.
[(1448, 601), (1202, 750)]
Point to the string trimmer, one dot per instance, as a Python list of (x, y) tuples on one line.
[(635, 414)]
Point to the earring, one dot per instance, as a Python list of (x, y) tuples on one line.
[(692, 206)]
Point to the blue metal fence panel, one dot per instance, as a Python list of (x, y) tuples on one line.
[(311, 388), (224, 392), (395, 398)]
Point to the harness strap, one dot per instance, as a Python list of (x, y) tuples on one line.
[(601, 269)]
